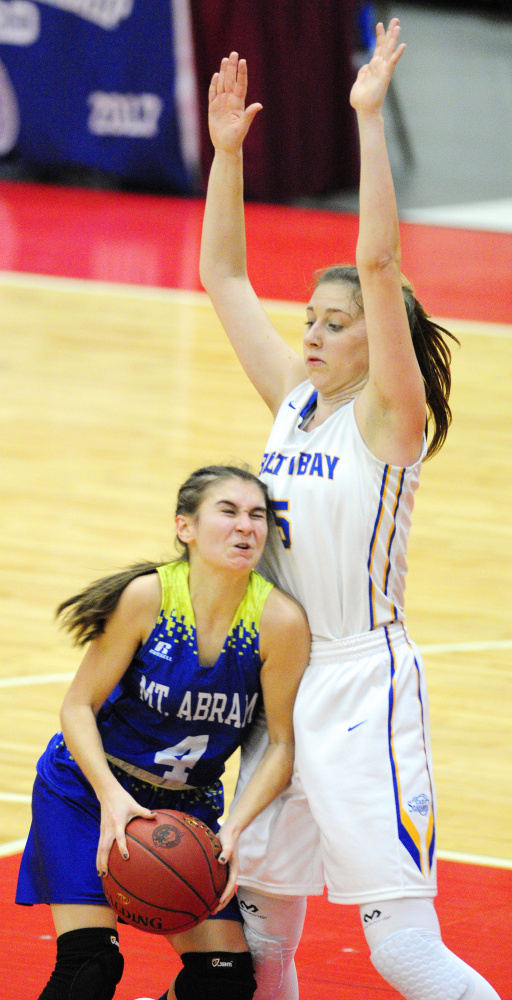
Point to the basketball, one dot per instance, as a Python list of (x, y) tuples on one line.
[(172, 879)]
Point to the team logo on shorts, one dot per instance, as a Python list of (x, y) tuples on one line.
[(166, 835), (419, 804)]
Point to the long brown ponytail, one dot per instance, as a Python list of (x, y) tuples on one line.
[(432, 351), (85, 614)]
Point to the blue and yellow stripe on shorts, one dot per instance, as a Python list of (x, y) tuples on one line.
[(422, 855)]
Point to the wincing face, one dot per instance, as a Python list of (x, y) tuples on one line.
[(229, 530), (335, 342)]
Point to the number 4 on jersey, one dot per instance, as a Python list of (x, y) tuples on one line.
[(182, 757)]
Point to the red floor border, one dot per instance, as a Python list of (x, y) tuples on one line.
[(154, 240), (473, 906)]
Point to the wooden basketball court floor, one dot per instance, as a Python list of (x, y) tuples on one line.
[(116, 381)]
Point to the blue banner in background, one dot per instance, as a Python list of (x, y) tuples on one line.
[(95, 83)]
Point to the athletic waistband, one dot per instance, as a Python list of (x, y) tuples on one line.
[(151, 779), (355, 646)]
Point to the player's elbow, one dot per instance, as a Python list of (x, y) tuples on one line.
[(215, 272), (207, 272), (383, 262), (282, 750)]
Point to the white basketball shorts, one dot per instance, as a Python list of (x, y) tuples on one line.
[(359, 812)]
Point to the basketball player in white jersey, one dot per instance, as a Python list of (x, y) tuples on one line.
[(342, 465)]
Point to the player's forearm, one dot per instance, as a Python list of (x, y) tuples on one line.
[(223, 237), (272, 775), (378, 243)]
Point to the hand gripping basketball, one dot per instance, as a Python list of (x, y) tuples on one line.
[(172, 879)]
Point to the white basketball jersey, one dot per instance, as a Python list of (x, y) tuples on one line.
[(343, 521)]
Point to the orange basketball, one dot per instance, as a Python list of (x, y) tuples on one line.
[(172, 879)]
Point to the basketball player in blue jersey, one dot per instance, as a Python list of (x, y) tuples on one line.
[(179, 660), (342, 466)]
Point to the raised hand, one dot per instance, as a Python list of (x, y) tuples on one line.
[(370, 88), (228, 118)]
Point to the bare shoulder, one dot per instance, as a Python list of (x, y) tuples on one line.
[(284, 618), (141, 599)]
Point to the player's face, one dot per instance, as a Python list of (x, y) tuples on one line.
[(335, 342), (229, 530)]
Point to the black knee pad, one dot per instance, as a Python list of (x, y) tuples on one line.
[(88, 966), (99, 976), (215, 975)]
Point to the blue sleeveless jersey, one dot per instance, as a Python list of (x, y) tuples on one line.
[(173, 717)]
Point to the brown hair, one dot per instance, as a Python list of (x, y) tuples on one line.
[(432, 351), (85, 614)]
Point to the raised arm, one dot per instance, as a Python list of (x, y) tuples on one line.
[(102, 667), (391, 409), (272, 366), (284, 645)]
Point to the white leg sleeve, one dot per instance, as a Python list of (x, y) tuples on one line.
[(273, 926), (407, 950)]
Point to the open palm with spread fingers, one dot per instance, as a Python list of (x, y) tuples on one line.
[(369, 90), (228, 118)]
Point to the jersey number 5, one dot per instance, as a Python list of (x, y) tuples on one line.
[(283, 523), (182, 757)]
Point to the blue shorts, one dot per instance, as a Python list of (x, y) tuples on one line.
[(59, 861)]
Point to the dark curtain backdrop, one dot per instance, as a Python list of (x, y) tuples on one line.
[(299, 55)]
